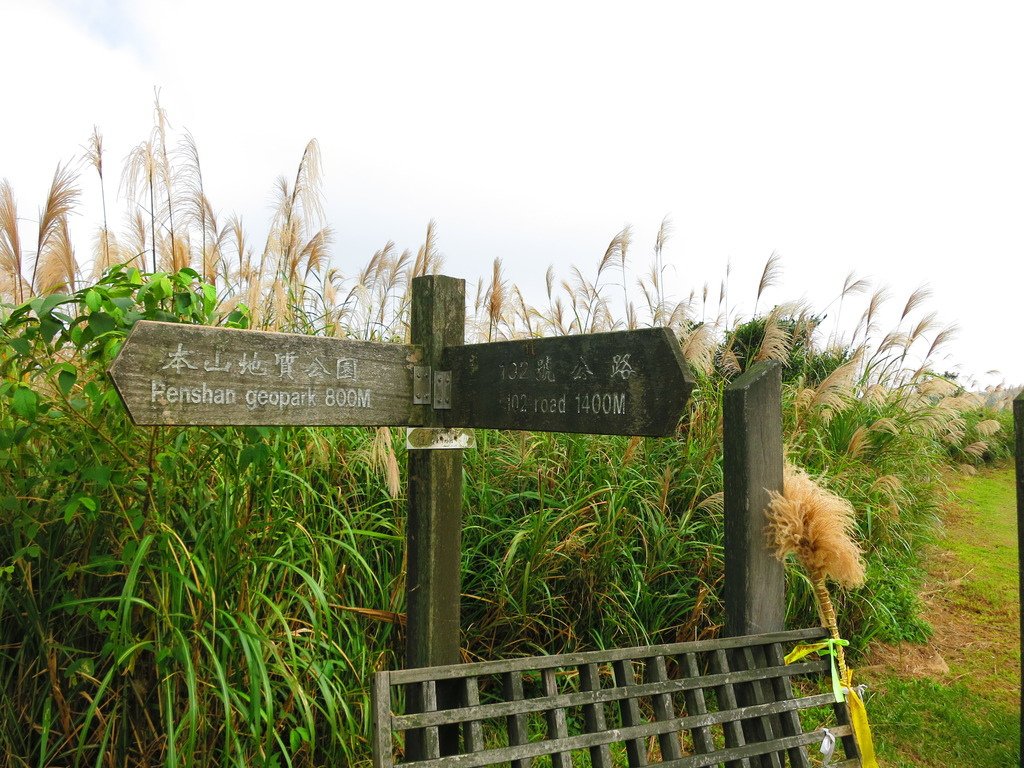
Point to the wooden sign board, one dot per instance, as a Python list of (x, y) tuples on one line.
[(624, 383), (176, 374)]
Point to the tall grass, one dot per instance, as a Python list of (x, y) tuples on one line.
[(200, 596)]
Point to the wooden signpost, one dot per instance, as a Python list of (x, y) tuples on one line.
[(626, 383), (168, 373)]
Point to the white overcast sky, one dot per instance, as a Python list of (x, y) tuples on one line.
[(885, 138)]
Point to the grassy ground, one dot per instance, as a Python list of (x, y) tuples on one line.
[(956, 701)]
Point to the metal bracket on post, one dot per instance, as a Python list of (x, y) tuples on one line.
[(421, 382), (432, 387), (442, 390)]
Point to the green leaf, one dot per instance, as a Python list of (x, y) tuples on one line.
[(69, 510), (124, 303), (98, 474), (164, 285), (182, 302), (49, 327), (93, 300), (100, 323), (297, 738), (66, 379), (209, 298), (30, 551), (49, 303), (25, 402), (20, 345), (238, 317), (246, 457)]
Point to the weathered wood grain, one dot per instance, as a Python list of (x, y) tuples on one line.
[(656, 671), (754, 578), (174, 374), (584, 698), (752, 464), (434, 527), (783, 689), (570, 697), (453, 671), (593, 716), (624, 383), (515, 724)]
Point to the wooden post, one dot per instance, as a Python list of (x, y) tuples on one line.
[(434, 528), (755, 589), (1018, 420)]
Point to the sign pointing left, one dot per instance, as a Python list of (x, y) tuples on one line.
[(176, 374)]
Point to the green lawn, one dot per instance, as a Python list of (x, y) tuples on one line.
[(970, 716)]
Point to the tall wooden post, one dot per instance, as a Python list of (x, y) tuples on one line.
[(1018, 420), (755, 589), (434, 528), (435, 492)]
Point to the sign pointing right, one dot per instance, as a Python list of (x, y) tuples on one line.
[(623, 383)]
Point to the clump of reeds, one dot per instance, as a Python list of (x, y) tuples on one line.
[(817, 527)]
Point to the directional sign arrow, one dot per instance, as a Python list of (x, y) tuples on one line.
[(168, 373), (624, 383)]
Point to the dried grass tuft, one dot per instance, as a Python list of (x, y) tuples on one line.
[(941, 338), (771, 275), (777, 340), (495, 300), (816, 525), (730, 363), (384, 460), (977, 449), (837, 389), (10, 244), (56, 265), (916, 298), (699, 347), (428, 259), (988, 427), (53, 247)]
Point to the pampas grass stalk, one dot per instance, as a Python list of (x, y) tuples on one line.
[(94, 157), (60, 202), (10, 242), (816, 526)]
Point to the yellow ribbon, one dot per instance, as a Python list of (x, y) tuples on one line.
[(824, 648), (843, 690), (859, 721)]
